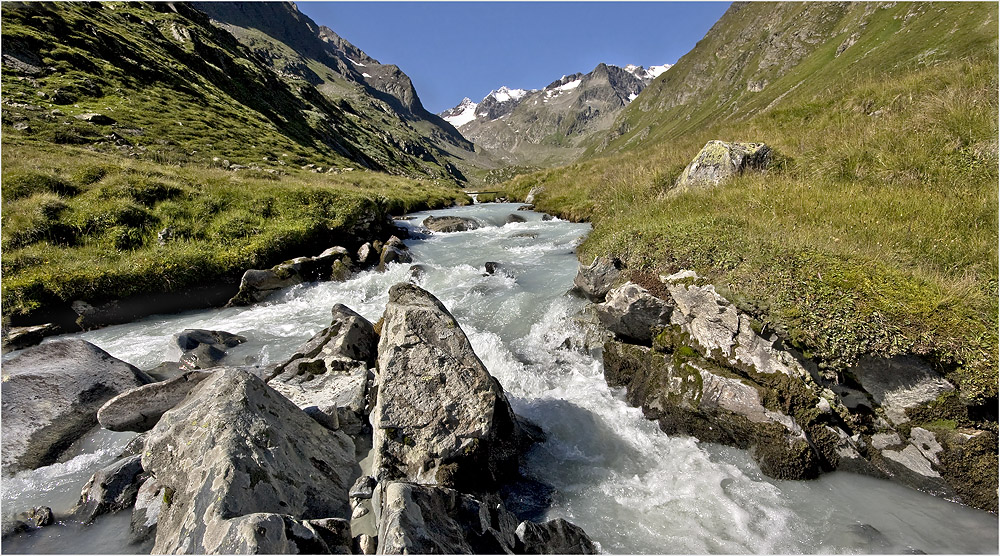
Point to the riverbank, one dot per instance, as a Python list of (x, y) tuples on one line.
[(611, 471), (97, 228)]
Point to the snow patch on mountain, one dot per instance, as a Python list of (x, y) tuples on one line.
[(503, 94), (647, 74), (462, 114)]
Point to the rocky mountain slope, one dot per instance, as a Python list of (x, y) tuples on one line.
[(263, 86), (552, 125)]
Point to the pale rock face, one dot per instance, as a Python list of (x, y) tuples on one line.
[(51, 394), (235, 456), (440, 418), (899, 383), (633, 313)]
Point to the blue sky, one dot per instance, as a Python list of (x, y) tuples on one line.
[(456, 49)]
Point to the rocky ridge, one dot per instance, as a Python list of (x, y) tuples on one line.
[(550, 125)]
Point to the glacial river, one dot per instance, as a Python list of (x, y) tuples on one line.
[(632, 488)]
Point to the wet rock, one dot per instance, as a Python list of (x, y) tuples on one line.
[(51, 394), (205, 348), (689, 395), (110, 490), (269, 466), (417, 271), (430, 519), (596, 280), (547, 217), (556, 536), (492, 267), (719, 160), (448, 224), (515, 219), (633, 313), (340, 271), (899, 383), (139, 409), (440, 417), (328, 375), (258, 285), (526, 207), (394, 252), (34, 518), (21, 337)]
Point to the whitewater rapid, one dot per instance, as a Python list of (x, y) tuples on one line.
[(632, 488)]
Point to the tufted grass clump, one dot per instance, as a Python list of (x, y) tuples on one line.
[(90, 230)]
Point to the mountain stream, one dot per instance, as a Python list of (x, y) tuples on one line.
[(631, 487)]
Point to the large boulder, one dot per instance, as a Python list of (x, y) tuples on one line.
[(719, 160), (328, 375), (440, 417), (51, 394), (139, 409), (245, 470), (596, 280), (448, 224), (430, 519), (687, 394), (633, 313)]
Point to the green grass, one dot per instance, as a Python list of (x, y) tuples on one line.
[(876, 233), (84, 225)]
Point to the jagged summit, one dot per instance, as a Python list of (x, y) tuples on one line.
[(550, 125)]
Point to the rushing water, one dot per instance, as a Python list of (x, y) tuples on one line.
[(632, 488)]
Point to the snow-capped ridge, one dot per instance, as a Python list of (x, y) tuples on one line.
[(462, 114), (504, 94)]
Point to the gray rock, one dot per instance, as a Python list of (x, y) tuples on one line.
[(236, 454), (257, 285), (440, 418), (25, 521), (429, 519), (330, 372), (717, 329), (532, 194), (719, 160), (363, 488), (596, 280), (696, 397), (492, 267), (556, 536), (149, 501), (448, 224), (899, 383), (515, 219), (366, 544), (193, 337), (110, 490), (367, 255), (276, 533), (340, 271), (140, 408), (20, 337), (633, 313), (51, 394), (95, 118), (393, 254), (547, 217)]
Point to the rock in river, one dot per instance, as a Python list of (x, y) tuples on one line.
[(51, 394), (440, 418), (245, 470), (450, 224)]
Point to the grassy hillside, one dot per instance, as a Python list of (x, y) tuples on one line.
[(875, 232), (177, 89), (196, 134), (85, 225)]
